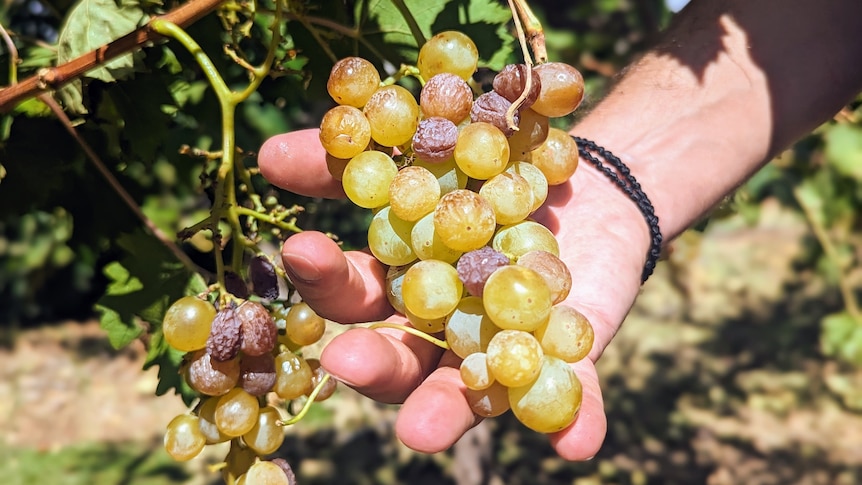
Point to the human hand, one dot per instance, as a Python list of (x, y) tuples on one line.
[(603, 239)]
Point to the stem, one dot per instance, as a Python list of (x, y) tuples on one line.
[(528, 82), (412, 331), (353, 33), (308, 402), (411, 22), (268, 218), (535, 33), (6, 122)]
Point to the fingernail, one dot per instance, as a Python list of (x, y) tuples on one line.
[(300, 268)]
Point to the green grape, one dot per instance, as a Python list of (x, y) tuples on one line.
[(519, 238), (303, 325), (535, 177), (238, 460), (236, 412), (464, 220), (510, 195), (366, 179), (389, 238), (553, 270), (475, 373), (187, 323), (427, 244), (468, 328), (266, 436), (413, 193), (266, 473), (206, 422), (183, 438), (551, 402), (481, 151), (562, 89), (449, 176), (557, 157), (514, 357), (489, 402), (566, 335), (431, 289), (292, 376), (393, 115), (209, 376), (344, 132), (352, 81), (532, 132), (448, 51), (517, 298)]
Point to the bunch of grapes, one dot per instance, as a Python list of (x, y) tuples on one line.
[(244, 360), (452, 180)]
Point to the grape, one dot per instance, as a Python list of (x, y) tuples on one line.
[(235, 285), (476, 266), (517, 298), (259, 333), (446, 95), (537, 180), (336, 166), (566, 335), (448, 51), (553, 270), (266, 473), (468, 328), (187, 322), (427, 244), (292, 376), (557, 157), (434, 140), (551, 402), (519, 238), (303, 325), (352, 81), (183, 438), (236, 412), (413, 193), (344, 132), (511, 82), (393, 115), (427, 325), (238, 460), (285, 467), (449, 176), (562, 89), (491, 108), (532, 132), (206, 422), (510, 195), (514, 357), (266, 436), (464, 220), (264, 280), (431, 289), (475, 373), (490, 402), (318, 373), (394, 279), (389, 238), (481, 151), (209, 376), (257, 373), (366, 179), (224, 339)]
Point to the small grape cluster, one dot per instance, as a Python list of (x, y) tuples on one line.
[(452, 180), (244, 360)]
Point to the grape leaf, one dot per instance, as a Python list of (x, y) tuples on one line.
[(169, 361), (844, 149), (841, 337)]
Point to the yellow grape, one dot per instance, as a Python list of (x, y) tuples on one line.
[(532, 132), (449, 176), (292, 376), (352, 81), (510, 195), (464, 220), (266, 473), (557, 157), (431, 289), (489, 402), (514, 357), (537, 180), (236, 412), (553, 270), (475, 372), (482, 150), (562, 89), (413, 193), (206, 422), (344, 132), (468, 328), (517, 298), (183, 438), (551, 402), (389, 238), (427, 244), (366, 179), (393, 115), (187, 323), (266, 436), (515, 240), (303, 325), (566, 335), (448, 51)]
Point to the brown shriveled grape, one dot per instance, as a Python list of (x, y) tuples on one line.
[(259, 332), (264, 280), (257, 373), (474, 268), (491, 108), (511, 82), (224, 339), (209, 376), (448, 96), (434, 140), (562, 89), (318, 373)]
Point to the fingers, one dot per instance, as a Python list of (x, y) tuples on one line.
[(296, 162), (346, 287), (583, 439)]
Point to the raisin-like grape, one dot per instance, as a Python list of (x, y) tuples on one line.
[(224, 340), (446, 95), (235, 285), (434, 140), (264, 280), (474, 268), (259, 332), (257, 373), (491, 108), (511, 81)]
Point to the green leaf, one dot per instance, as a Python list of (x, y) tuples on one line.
[(844, 149), (169, 361), (841, 337)]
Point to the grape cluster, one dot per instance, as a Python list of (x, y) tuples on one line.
[(244, 359), (452, 180)]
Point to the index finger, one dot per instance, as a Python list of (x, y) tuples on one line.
[(296, 162)]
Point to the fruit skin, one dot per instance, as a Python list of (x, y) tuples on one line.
[(187, 322), (183, 438), (449, 51), (562, 89), (259, 333), (551, 402)]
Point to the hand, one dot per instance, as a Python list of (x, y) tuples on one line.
[(603, 240)]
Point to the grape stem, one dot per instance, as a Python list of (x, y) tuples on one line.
[(412, 331), (308, 402), (528, 62), (535, 32), (411, 21)]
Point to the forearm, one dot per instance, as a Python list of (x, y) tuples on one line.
[(731, 83)]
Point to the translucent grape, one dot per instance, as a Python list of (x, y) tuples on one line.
[(225, 335), (303, 325), (446, 95), (514, 357), (259, 332), (257, 373), (427, 244), (352, 81), (481, 151), (468, 328), (431, 289), (553, 270), (537, 180), (236, 412), (366, 179), (491, 108), (285, 467), (394, 279), (511, 82), (464, 220), (448, 51), (510, 195), (517, 298), (389, 238), (344, 132), (206, 422), (209, 376), (266, 436), (187, 323), (519, 238), (562, 89), (551, 402), (557, 157), (449, 176), (393, 115), (474, 268), (434, 140), (566, 335), (292, 376), (413, 193), (532, 131), (489, 402), (266, 473), (318, 373), (475, 373), (183, 438)]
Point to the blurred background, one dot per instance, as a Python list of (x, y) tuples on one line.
[(740, 362)]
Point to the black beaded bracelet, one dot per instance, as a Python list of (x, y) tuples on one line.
[(621, 175)]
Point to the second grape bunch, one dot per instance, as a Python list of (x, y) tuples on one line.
[(452, 179)]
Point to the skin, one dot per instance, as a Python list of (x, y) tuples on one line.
[(729, 85)]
